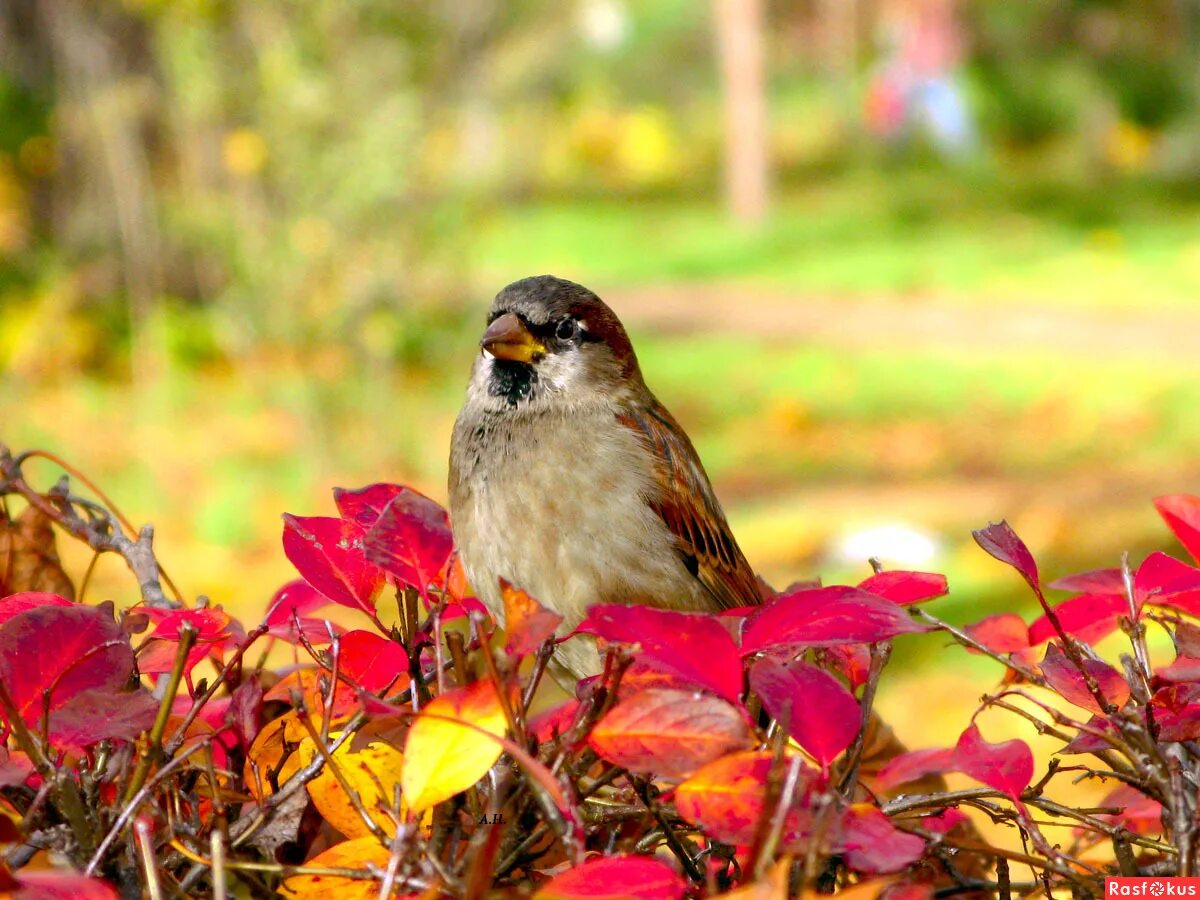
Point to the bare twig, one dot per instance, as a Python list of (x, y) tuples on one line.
[(153, 751), (100, 530)]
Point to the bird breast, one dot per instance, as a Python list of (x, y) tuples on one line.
[(558, 506)]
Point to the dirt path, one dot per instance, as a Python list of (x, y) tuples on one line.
[(915, 322)]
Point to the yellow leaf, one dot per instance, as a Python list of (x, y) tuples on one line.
[(373, 771), (353, 854), (443, 757)]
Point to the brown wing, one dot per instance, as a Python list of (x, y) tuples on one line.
[(687, 505)]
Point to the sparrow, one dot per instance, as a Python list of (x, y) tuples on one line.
[(570, 480)]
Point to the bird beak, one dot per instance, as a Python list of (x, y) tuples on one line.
[(508, 338)]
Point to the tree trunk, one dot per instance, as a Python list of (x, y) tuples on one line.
[(739, 36)]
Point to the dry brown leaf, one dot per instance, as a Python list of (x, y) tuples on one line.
[(29, 557)]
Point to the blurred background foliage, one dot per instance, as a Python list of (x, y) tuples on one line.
[(246, 248)]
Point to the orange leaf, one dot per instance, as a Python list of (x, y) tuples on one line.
[(670, 732), (526, 621), (312, 685), (727, 797), (444, 757)]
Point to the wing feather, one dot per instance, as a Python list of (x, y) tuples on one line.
[(689, 508)]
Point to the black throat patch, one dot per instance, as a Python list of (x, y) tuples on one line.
[(511, 380)]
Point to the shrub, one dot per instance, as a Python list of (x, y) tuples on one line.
[(153, 749)]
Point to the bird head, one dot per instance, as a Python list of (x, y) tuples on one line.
[(552, 343)]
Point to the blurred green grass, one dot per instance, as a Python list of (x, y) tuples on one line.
[(975, 237)]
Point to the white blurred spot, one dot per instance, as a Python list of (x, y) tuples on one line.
[(897, 544), (604, 23)]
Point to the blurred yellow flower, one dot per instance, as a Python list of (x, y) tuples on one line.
[(645, 149), (244, 151), (1128, 145), (635, 147)]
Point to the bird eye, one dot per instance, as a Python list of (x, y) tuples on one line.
[(567, 329)]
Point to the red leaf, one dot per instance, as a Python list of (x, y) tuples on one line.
[(373, 662), (98, 714), (62, 650), (1063, 677), (1096, 581), (527, 623), (366, 504), (1179, 725), (18, 603), (411, 540), (1181, 512), (1001, 633), (670, 733), (214, 629), (615, 878), (50, 885), (944, 821), (1001, 542), (464, 608), (1177, 712), (213, 626), (727, 797), (873, 844), (297, 596), (822, 714), (287, 608), (644, 675), (850, 660), (825, 616), (158, 657), (1139, 813), (1165, 581), (15, 767), (906, 587), (244, 712), (914, 765), (694, 646), (1089, 618), (552, 723), (1007, 766), (1087, 741), (1184, 668), (329, 554)]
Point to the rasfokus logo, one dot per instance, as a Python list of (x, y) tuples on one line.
[(1152, 887)]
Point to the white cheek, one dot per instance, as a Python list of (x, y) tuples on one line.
[(560, 372)]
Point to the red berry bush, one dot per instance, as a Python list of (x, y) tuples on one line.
[(153, 749)]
